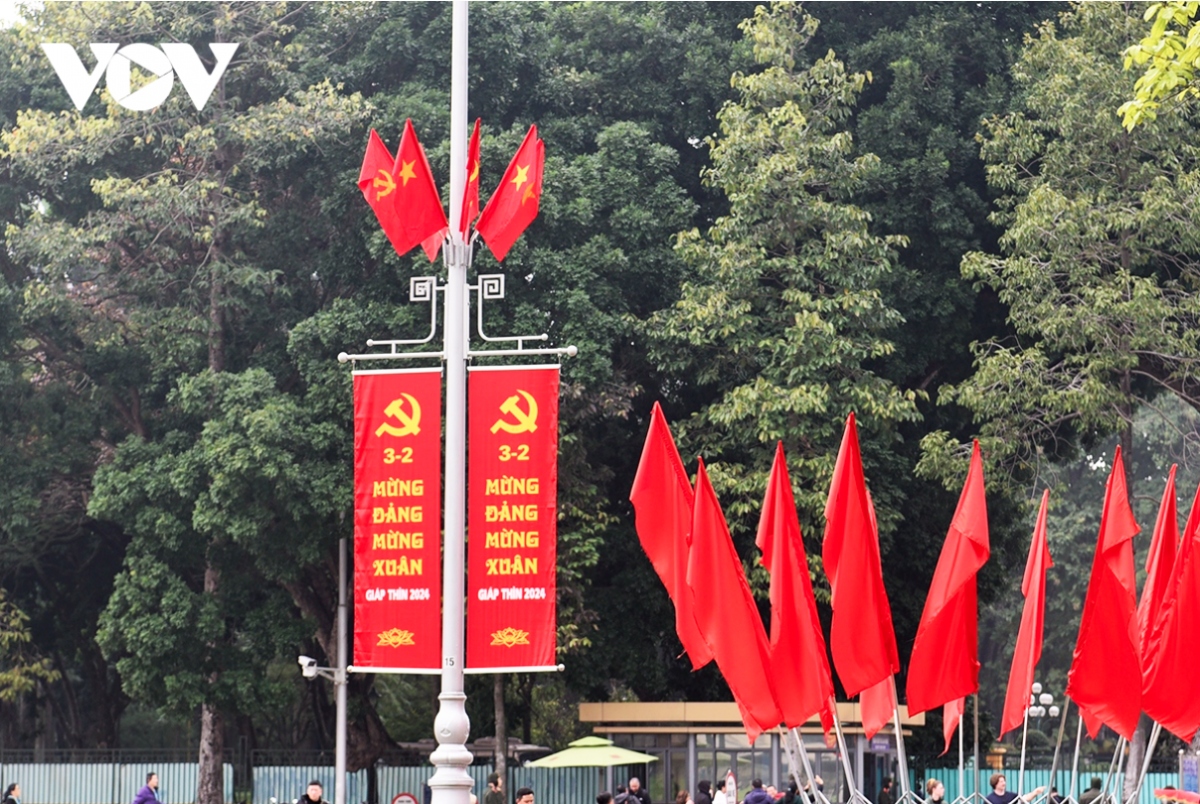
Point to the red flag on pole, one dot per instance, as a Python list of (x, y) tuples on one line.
[(862, 639), (470, 203), (1029, 637), (662, 504), (1106, 671), (1170, 669), (952, 713), (1160, 565), (876, 706), (514, 205), (798, 664), (944, 665), (727, 614), (403, 194)]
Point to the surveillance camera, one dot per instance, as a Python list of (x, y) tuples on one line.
[(307, 661)]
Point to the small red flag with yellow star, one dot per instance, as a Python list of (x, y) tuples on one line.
[(514, 205), (470, 204), (403, 194)]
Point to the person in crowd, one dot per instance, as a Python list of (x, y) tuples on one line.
[(757, 794), (810, 791), (683, 797), (704, 792), (719, 796), (149, 792), (12, 794), (524, 795), (791, 794), (1092, 793), (773, 792), (637, 791), (315, 794), (935, 792), (1002, 795), (604, 798), (1055, 796), (885, 791), (495, 791)]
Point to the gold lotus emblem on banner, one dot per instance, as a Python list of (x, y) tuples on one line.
[(510, 637), (396, 638)]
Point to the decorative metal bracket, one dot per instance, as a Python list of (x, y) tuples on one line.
[(425, 289)]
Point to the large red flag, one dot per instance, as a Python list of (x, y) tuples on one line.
[(662, 503), (514, 205), (727, 614), (470, 202), (876, 706), (1106, 672), (944, 665), (1029, 638), (1160, 565), (862, 639), (1170, 675), (799, 666)]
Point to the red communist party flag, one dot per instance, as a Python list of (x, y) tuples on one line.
[(876, 705), (861, 638), (514, 205), (378, 187), (470, 202), (726, 612), (1160, 563), (799, 666), (1029, 637), (944, 665), (662, 504), (1106, 672), (418, 205), (1168, 689)]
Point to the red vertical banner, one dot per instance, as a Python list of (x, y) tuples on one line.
[(512, 505), (397, 519)]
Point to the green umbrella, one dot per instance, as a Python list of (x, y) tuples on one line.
[(593, 752)]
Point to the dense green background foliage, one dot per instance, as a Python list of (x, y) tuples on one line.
[(763, 218)]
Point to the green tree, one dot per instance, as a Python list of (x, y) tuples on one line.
[(783, 312), (1168, 56)]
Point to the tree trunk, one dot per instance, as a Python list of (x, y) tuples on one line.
[(212, 751), (1137, 755), (501, 753)]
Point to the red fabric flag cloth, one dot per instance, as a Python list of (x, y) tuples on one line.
[(1106, 671), (944, 665), (1029, 638), (662, 504), (1168, 691), (514, 205), (799, 665), (876, 705), (403, 194), (862, 639), (727, 614), (470, 202), (1160, 564), (952, 713)]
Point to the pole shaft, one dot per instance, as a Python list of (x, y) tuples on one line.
[(845, 754), (451, 784), (1062, 727), (1024, 734), (339, 682), (962, 781), (1075, 759), (975, 756), (900, 755)]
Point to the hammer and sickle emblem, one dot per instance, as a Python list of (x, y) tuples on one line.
[(526, 420), (383, 184), (409, 424)]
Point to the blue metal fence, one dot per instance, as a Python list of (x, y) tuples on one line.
[(1040, 778), (105, 782)]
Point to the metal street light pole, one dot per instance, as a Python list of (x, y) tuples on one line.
[(339, 683), (451, 784)]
